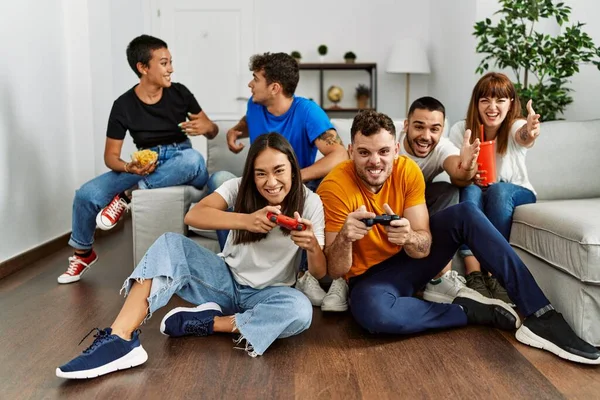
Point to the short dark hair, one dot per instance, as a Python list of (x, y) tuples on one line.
[(370, 122), (426, 103), (278, 67), (140, 50), (250, 200)]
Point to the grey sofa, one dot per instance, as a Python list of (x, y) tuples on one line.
[(558, 238)]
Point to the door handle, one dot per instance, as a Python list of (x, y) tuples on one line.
[(242, 98)]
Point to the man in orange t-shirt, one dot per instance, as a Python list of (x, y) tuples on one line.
[(385, 264)]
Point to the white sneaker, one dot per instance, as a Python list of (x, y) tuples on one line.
[(311, 288), (445, 289), (337, 296)]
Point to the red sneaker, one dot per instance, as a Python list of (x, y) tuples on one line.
[(77, 266), (108, 217)]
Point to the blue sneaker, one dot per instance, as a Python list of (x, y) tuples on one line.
[(108, 353), (190, 321)]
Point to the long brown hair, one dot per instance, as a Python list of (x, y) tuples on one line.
[(250, 200), (494, 84)]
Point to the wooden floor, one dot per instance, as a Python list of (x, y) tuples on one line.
[(41, 323)]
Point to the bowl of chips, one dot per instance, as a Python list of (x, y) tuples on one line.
[(144, 157)]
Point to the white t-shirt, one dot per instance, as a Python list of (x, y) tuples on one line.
[(433, 164), (274, 260), (511, 166)]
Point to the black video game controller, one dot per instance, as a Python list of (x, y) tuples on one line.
[(380, 219)]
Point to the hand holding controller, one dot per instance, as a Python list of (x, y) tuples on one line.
[(381, 220), (286, 222)]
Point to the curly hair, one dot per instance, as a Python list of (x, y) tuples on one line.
[(369, 122), (277, 67), (140, 50)]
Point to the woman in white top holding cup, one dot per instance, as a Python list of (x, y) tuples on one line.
[(501, 183)]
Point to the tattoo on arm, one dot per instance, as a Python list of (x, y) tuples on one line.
[(523, 133), (421, 243), (331, 137)]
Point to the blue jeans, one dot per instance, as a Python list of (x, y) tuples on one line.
[(381, 299), (498, 203), (178, 164), (179, 266)]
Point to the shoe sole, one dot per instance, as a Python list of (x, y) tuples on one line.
[(437, 298), (478, 297), (102, 225), (71, 279), (132, 359), (526, 336), (337, 308), (203, 307)]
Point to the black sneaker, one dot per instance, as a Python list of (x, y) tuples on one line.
[(551, 332), (497, 291), (482, 310), (476, 282)]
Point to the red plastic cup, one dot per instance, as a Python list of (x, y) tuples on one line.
[(487, 162)]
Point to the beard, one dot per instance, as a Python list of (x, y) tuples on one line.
[(374, 182)]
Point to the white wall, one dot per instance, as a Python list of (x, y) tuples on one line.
[(369, 29), (45, 129), (453, 60), (586, 84)]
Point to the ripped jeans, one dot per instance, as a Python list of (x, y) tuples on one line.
[(177, 265)]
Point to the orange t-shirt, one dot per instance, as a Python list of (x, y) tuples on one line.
[(343, 192)]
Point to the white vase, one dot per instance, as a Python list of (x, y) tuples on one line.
[(322, 59)]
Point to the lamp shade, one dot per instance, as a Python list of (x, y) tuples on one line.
[(408, 56)]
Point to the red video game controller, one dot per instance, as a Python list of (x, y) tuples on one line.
[(286, 222)]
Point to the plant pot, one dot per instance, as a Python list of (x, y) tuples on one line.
[(322, 59), (362, 102), (350, 60), (298, 60)]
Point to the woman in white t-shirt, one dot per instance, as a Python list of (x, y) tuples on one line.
[(495, 106), (246, 289)]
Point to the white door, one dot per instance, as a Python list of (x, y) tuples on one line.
[(211, 43)]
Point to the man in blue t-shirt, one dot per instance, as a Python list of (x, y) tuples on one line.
[(273, 107)]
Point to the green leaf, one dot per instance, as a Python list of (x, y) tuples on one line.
[(548, 60)]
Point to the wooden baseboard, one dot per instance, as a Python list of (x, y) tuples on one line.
[(22, 260)]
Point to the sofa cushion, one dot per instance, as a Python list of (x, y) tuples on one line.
[(564, 233), (220, 158)]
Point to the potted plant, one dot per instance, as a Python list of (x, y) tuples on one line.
[(322, 52), (350, 57), (363, 92), (297, 56), (552, 59)]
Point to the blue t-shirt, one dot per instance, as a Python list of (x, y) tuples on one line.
[(300, 125)]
